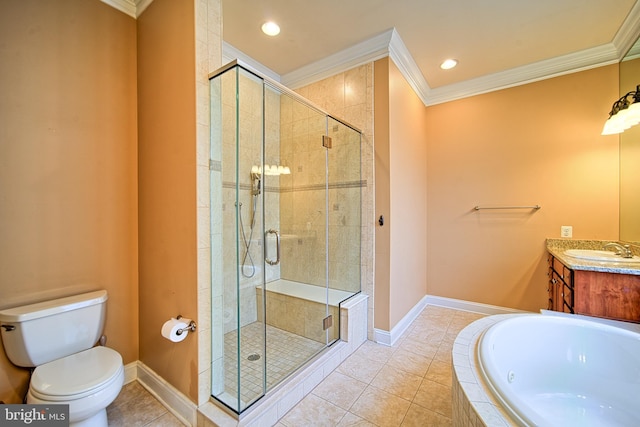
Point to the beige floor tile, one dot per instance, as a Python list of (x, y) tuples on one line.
[(417, 416), (360, 368), (313, 411), (340, 389), (397, 382), (381, 408), (352, 420), (139, 409), (373, 351), (410, 362), (443, 354), (167, 420), (435, 397), (424, 349), (439, 372)]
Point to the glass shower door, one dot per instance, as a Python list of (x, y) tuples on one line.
[(237, 229), (295, 239), (285, 232)]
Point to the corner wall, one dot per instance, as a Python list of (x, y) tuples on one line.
[(68, 204), (534, 144), (401, 196), (167, 186)]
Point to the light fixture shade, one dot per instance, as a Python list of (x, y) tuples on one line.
[(610, 128)]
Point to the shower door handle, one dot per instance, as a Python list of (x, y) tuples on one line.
[(277, 261)]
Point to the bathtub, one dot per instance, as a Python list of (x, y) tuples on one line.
[(299, 308), (562, 371)]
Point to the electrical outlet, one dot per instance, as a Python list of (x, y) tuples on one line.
[(566, 231)]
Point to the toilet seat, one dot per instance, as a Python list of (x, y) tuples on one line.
[(78, 375)]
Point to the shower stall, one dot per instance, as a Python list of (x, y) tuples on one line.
[(285, 231)]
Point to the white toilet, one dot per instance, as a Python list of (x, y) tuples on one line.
[(57, 338)]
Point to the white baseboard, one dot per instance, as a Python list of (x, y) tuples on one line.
[(175, 402), (474, 307), (130, 372), (390, 337)]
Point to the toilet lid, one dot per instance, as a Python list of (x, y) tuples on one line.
[(78, 373)]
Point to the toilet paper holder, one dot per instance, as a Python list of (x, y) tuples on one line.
[(190, 327)]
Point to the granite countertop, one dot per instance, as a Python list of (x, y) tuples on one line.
[(556, 247)]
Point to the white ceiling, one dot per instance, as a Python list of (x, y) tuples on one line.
[(498, 43)]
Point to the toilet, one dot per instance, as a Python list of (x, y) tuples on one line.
[(58, 339)]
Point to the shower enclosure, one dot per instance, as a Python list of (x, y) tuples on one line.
[(285, 231)]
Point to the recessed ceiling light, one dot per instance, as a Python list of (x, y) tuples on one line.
[(448, 64), (270, 28)]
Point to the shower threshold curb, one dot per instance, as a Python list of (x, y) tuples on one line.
[(285, 396)]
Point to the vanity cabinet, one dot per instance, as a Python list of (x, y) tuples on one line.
[(593, 293), (561, 290)]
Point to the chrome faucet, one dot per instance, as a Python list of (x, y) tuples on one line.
[(623, 251)]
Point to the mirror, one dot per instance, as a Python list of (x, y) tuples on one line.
[(630, 155)]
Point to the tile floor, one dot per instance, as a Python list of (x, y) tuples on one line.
[(285, 352), (406, 385)]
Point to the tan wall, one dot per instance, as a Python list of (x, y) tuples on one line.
[(407, 218), (383, 195), (534, 144), (401, 196), (68, 198), (167, 185)]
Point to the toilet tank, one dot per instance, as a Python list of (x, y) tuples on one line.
[(38, 333)]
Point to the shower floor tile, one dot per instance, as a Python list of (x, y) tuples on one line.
[(285, 353)]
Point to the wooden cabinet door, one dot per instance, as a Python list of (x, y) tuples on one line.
[(608, 295)]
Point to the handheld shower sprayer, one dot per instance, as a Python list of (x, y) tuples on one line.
[(247, 260), (256, 178)]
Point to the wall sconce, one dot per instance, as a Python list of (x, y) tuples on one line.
[(271, 170), (625, 113)]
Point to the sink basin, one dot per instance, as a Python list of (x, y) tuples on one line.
[(594, 255)]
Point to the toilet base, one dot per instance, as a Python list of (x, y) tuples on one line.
[(98, 420)]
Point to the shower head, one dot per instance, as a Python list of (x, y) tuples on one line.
[(255, 182)]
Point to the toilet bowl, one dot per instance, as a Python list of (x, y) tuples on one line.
[(87, 381), (57, 338)]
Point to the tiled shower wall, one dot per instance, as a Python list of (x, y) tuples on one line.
[(349, 95)]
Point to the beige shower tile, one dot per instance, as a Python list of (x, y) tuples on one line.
[(380, 408), (435, 397), (313, 410), (397, 382), (340, 389), (418, 416)]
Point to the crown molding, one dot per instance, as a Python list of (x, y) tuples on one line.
[(367, 51), (401, 56), (541, 70), (629, 31), (230, 53), (390, 44), (126, 6), (133, 8)]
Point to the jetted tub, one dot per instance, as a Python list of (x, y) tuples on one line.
[(562, 371)]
